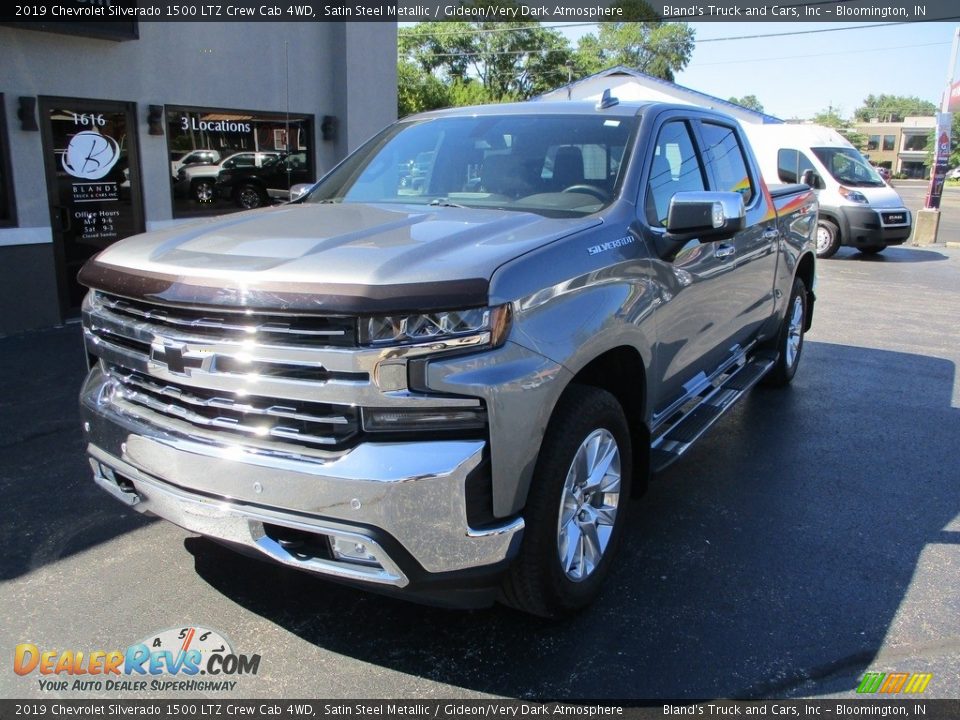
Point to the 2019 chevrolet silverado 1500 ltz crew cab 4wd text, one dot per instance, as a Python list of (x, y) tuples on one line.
[(448, 389)]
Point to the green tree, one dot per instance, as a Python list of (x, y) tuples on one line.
[(892, 108), (748, 101), (509, 60), (656, 48), (418, 91), (831, 118)]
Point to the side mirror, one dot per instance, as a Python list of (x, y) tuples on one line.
[(706, 216), (811, 178), (299, 190)]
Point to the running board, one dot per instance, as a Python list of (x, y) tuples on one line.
[(686, 427)]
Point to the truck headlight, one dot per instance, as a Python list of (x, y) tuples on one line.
[(853, 195), (490, 326)]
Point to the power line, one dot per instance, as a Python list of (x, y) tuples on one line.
[(801, 32), (473, 53), (485, 31), (821, 54)]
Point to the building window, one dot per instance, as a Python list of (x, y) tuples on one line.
[(230, 160), (7, 207), (889, 142), (915, 142), (873, 142)]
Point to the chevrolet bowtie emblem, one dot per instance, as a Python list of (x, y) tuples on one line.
[(176, 358)]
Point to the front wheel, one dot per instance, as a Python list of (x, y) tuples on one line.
[(789, 341), (828, 238), (576, 508)]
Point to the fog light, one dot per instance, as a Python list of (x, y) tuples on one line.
[(351, 550)]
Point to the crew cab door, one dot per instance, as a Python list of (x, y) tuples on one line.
[(692, 313), (748, 289), (716, 294)]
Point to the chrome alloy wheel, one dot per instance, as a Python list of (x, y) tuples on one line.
[(794, 331), (824, 238), (588, 505)]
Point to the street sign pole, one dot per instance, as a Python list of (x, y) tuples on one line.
[(928, 219)]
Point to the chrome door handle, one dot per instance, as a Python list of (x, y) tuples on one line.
[(770, 234), (725, 251)]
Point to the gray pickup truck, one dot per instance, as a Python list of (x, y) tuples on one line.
[(449, 389)]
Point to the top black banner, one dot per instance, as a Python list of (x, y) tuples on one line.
[(57, 12)]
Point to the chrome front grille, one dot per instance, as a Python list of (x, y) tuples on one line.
[(275, 329), (267, 379), (315, 424)]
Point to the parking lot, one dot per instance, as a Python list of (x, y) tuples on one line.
[(812, 535)]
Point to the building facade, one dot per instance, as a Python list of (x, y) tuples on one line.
[(100, 127), (901, 147)]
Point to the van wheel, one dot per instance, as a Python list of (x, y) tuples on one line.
[(828, 238), (789, 341), (576, 508)]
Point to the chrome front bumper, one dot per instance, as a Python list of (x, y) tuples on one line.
[(405, 503)]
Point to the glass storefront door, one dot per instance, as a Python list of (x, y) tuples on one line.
[(93, 183)]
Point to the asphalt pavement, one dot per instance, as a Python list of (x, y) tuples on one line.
[(811, 536)]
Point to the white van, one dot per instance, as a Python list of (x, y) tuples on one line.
[(857, 208)]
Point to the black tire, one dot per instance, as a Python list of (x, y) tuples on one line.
[(538, 581), (202, 191), (828, 238), (789, 340), (872, 249), (250, 196)]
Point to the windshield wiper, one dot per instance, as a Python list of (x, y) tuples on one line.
[(443, 202)]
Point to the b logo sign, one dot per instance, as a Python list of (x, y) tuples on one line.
[(90, 155)]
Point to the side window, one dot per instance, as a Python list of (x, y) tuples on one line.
[(787, 165), (725, 154), (804, 164), (675, 168)]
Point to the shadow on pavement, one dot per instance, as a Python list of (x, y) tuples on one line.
[(769, 562), (890, 255), (51, 508)]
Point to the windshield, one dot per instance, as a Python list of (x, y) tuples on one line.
[(848, 166), (559, 166)]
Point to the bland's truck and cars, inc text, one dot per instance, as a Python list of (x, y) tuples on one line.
[(442, 371)]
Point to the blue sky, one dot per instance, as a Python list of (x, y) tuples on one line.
[(800, 75)]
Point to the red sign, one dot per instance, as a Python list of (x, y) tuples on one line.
[(954, 104)]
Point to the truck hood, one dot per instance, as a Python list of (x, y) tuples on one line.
[(339, 257)]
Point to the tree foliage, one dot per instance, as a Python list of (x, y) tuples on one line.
[(748, 101), (418, 91), (455, 63), (522, 62), (892, 108), (831, 118), (656, 48)]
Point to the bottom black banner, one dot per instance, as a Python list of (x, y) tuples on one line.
[(406, 709)]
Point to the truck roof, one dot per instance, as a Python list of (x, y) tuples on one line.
[(569, 107)]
